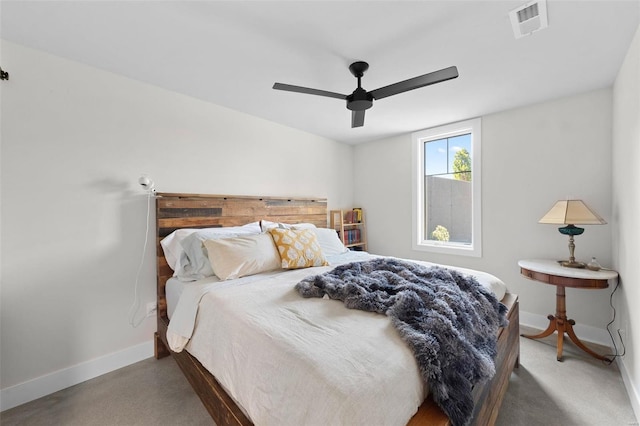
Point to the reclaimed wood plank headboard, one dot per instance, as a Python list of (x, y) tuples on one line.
[(175, 211)]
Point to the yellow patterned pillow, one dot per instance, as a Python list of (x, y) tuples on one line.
[(298, 248)]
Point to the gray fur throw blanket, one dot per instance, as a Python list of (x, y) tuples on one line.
[(448, 319)]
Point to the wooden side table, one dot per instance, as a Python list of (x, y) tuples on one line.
[(551, 272)]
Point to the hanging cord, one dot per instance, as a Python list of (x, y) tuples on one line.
[(609, 361), (135, 306)]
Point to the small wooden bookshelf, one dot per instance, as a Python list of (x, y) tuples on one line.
[(351, 228)]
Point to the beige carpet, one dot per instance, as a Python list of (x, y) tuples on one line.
[(578, 391)]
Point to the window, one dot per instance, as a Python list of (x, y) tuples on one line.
[(446, 190)]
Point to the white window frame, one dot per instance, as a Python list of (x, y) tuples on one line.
[(473, 126)]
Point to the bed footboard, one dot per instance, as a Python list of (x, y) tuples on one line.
[(489, 398)]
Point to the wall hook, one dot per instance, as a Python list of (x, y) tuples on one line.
[(4, 75)]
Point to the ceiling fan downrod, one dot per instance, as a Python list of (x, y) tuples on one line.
[(360, 99)]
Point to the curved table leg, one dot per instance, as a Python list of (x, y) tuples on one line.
[(548, 332), (578, 343), (555, 324)]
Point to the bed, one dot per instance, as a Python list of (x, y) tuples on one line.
[(180, 211)]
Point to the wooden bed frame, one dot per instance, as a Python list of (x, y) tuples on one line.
[(175, 211)]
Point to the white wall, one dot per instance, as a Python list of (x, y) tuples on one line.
[(74, 142), (626, 213), (531, 157)]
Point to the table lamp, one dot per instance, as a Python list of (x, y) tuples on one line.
[(571, 213)]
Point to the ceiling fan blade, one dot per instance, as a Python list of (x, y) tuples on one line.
[(357, 118), (415, 83), (300, 89)]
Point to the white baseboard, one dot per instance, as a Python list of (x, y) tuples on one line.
[(36, 388), (632, 391), (584, 332)]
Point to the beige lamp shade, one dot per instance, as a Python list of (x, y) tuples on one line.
[(571, 212)]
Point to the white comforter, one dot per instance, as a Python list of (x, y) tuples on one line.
[(293, 361)]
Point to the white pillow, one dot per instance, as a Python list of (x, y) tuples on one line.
[(241, 256), (194, 263), (172, 248), (172, 243), (329, 241)]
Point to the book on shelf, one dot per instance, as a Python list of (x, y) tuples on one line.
[(358, 214), (352, 236), (353, 216)]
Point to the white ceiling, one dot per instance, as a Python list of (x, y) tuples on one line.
[(231, 52)]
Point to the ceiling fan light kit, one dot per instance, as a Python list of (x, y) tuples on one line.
[(360, 100)]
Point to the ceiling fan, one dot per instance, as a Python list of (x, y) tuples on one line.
[(361, 100)]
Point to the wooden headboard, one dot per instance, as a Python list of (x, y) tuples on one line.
[(175, 211)]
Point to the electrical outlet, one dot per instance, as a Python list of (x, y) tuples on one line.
[(151, 309)]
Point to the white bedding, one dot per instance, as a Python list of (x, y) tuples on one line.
[(291, 361), (173, 290)]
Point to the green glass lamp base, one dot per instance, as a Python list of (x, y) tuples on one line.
[(571, 230)]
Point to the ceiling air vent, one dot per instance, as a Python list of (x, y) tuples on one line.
[(529, 18)]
